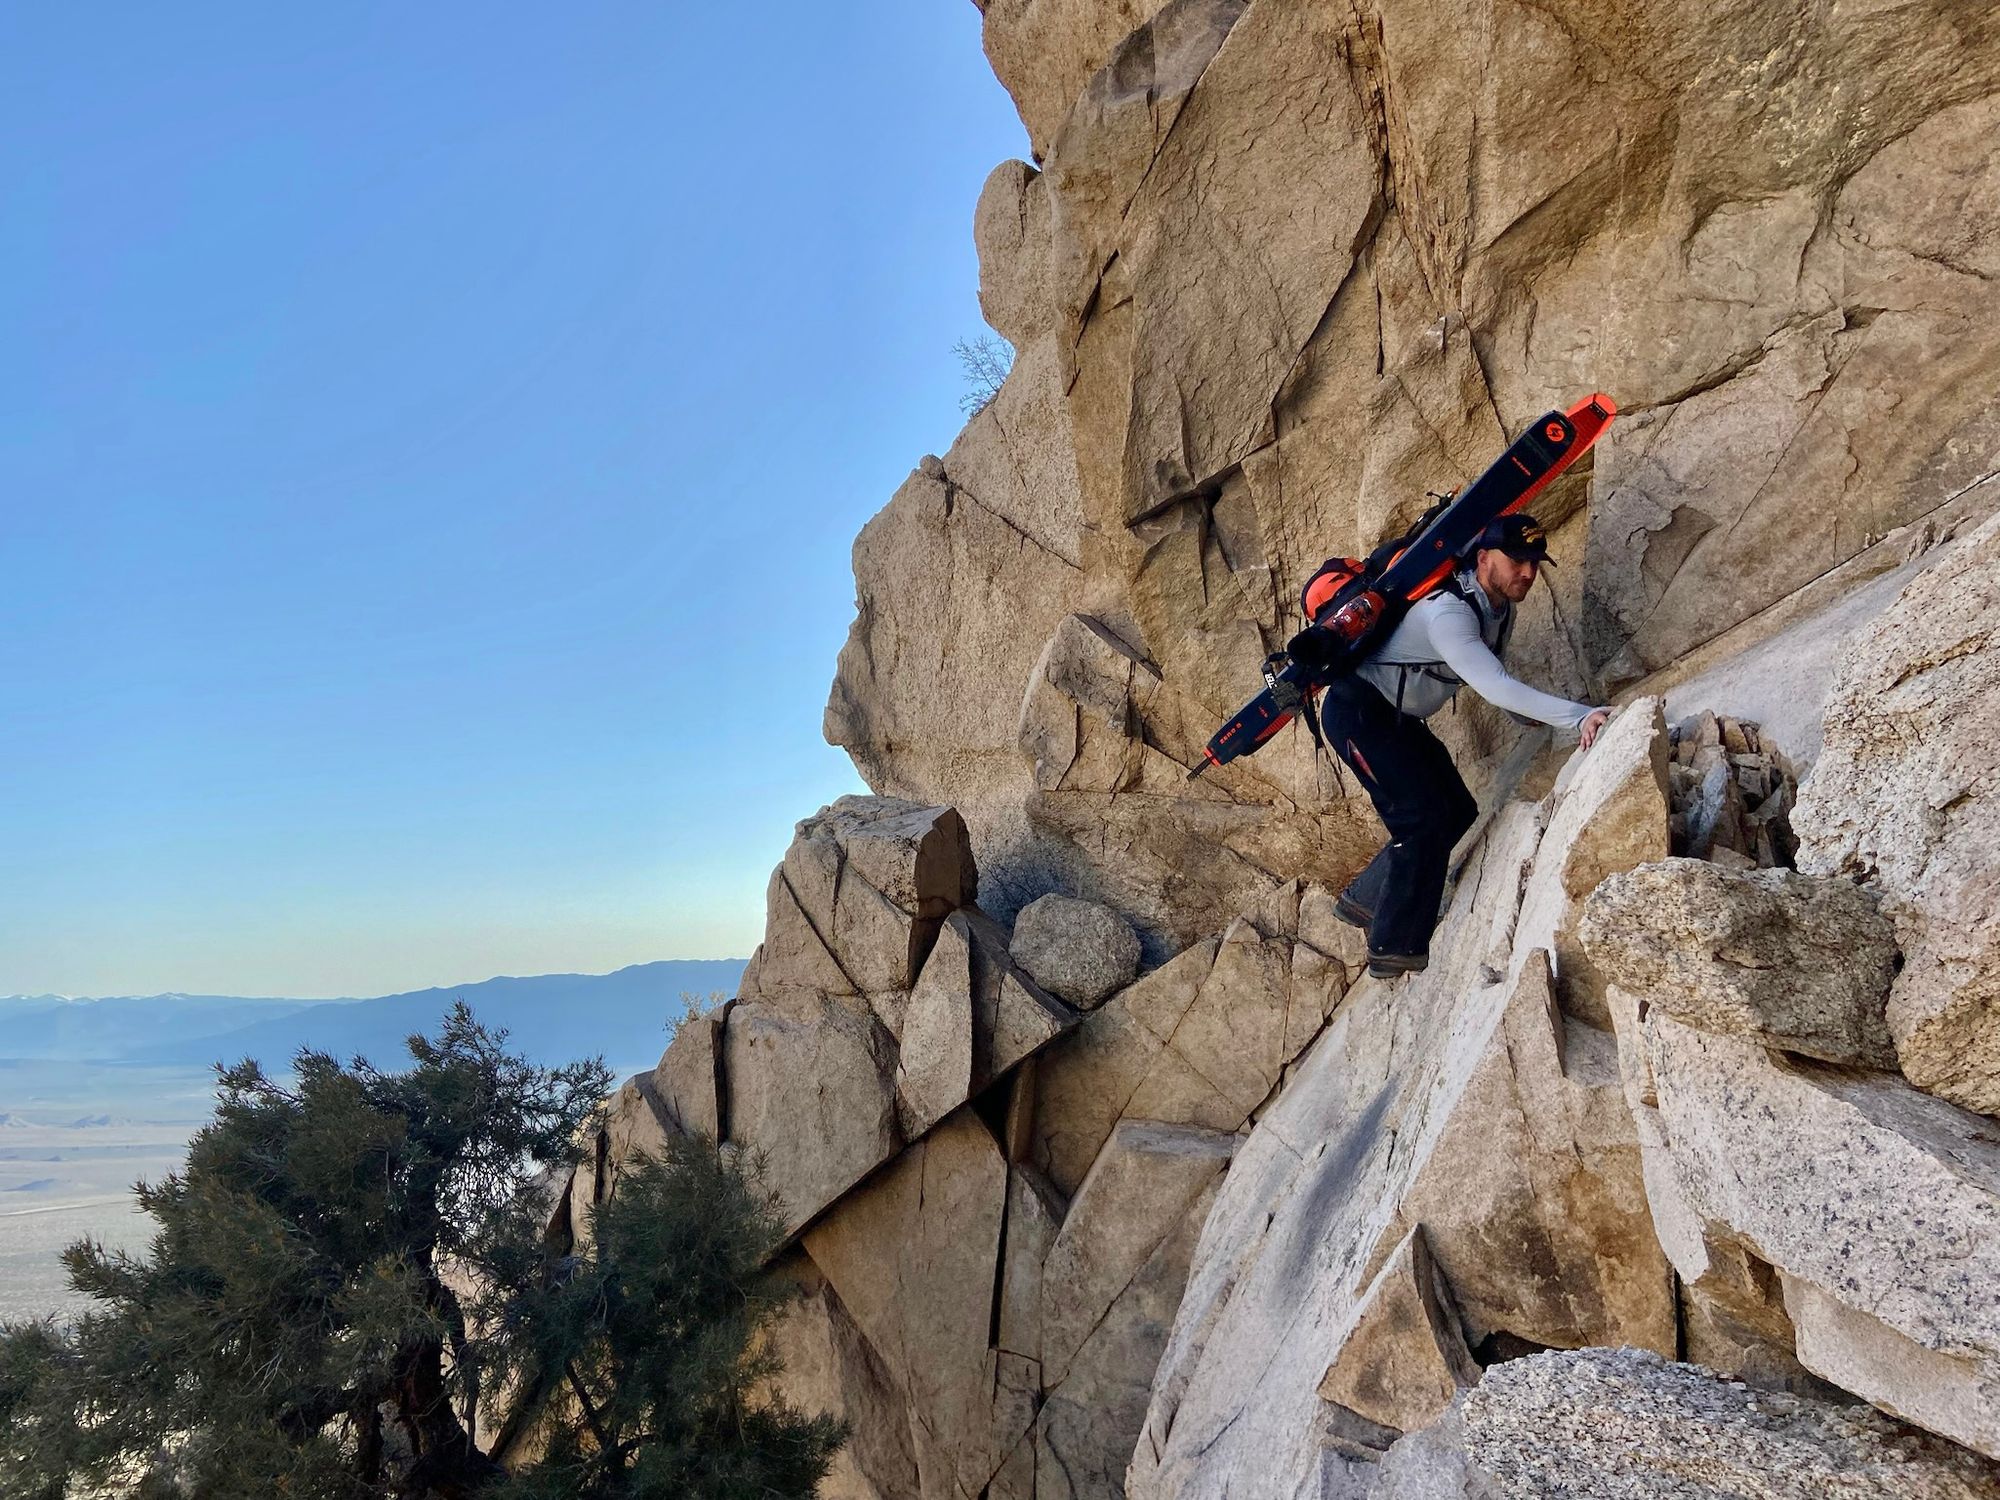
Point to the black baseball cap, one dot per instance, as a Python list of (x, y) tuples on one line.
[(1519, 536)]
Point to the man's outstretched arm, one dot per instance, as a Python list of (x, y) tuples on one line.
[(1455, 635)]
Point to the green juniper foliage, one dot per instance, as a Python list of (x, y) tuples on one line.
[(308, 1320), (641, 1352)]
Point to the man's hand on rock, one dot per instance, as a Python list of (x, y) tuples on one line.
[(1591, 726)]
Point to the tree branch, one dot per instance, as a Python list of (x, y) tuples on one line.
[(597, 1431)]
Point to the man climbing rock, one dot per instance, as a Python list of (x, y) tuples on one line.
[(1374, 720)]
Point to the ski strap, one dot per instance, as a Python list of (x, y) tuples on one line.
[(1288, 696), (1299, 701)]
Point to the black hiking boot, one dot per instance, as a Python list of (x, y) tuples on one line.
[(1352, 912), (1394, 965)]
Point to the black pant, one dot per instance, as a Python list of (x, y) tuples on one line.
[(1422, 801)]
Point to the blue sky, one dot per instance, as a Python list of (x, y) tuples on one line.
[(430, 444)]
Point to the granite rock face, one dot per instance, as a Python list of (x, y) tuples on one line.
[(1204, 1039), (1280, 268), (1906, 797), (1136, 1190), (990, 1228), (881, 1000), (814, 1084), (911, 1258), (1608, 813), (1045, 51), (1461, 1102), (1251, 1224), (981, 550)]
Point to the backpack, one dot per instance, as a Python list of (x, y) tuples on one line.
[(1340, 581)]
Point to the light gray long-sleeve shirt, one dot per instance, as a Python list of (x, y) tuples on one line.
[(1447, 642)]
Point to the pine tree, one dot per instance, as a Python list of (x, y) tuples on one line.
[(308, 1321)]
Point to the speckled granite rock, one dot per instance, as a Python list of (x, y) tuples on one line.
[(1079, 950), (1875, 1205), (1604, 1424)]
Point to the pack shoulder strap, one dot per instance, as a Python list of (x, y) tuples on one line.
[(1440, 670)]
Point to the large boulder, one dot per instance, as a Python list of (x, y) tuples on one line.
[(1079, 950), (854, 907), (1906, 796), (1771, 955)]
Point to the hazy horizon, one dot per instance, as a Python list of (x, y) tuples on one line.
[(408, 989)]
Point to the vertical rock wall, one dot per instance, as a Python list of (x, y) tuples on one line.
[(1282, 266)]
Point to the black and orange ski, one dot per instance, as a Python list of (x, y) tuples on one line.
[(1359, 622)]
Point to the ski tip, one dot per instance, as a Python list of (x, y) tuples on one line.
[(1587, 420)]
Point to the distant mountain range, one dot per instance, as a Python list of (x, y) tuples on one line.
[(58, 1028), (551, 1018)]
